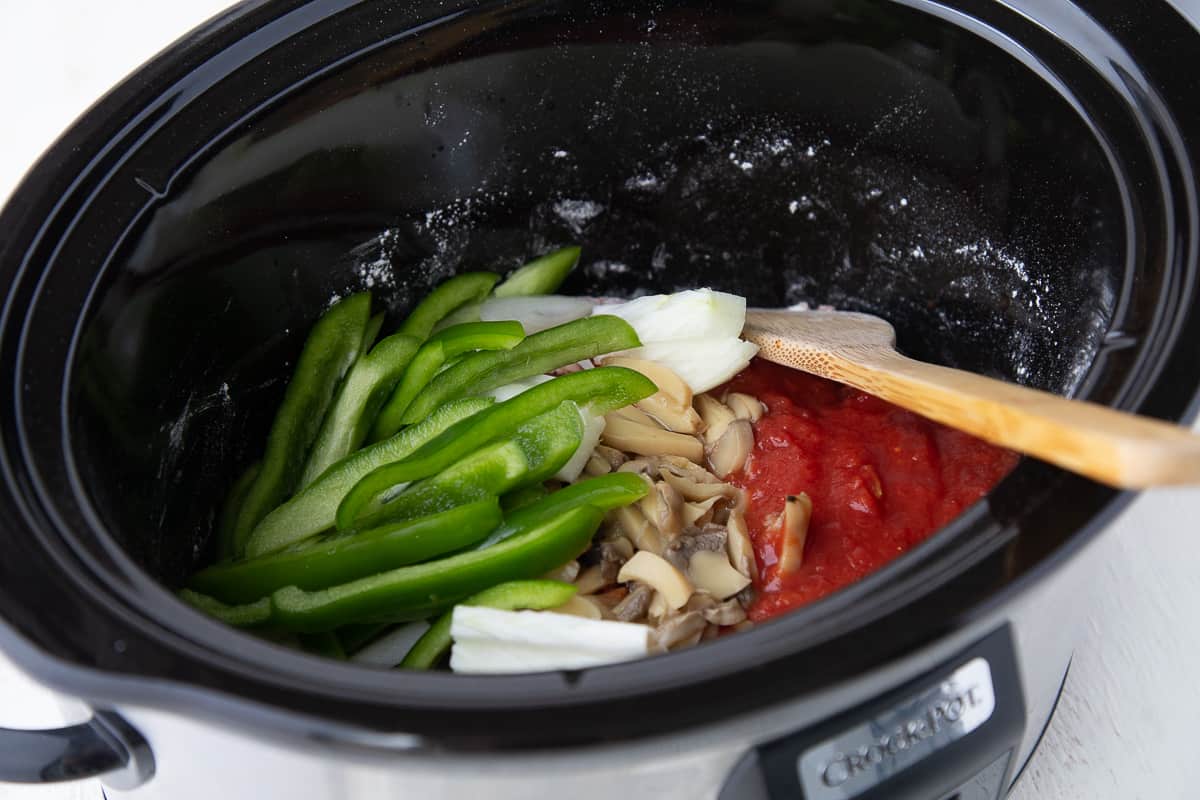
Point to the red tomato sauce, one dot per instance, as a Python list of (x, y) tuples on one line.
[(881, 479)]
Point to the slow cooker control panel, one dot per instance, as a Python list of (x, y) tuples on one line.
[(948, 735)]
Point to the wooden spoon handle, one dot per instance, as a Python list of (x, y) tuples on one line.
[(1109, 446)]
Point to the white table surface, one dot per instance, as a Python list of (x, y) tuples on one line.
[(1125, 727)]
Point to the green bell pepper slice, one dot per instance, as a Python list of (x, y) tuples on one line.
[(442, 347), (537, 450), (314, 509), (331, 349), (418, 592), (539, 353), (427, 651), (522, 497), (227, 524), (374, 325), (336, 558), (358, 401), (450, 295), (541, 276), (603, 493), (598, 391), (248, 615)]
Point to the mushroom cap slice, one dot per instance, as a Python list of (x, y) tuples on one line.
[(663, 506), (739, 545), (680, 551), (591, 580), (634, 414), (725, 614), (579, 606), (671, 405), (730, 452), (693, 490), (614, 457), (596, 465), (638, 529), (716, 416), (648, 568), (710, 570), (696, 514), (681, 630), (745, 406)]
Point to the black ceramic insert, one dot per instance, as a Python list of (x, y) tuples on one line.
[(1017, 201)]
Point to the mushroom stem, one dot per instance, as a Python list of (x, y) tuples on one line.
[(797, 512)]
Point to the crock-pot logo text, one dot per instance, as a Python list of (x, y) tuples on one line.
[(931, 722), (865, 755)]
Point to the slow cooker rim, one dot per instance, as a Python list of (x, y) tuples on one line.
[(1112, 504)]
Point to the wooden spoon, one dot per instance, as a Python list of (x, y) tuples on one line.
[(1106, 445)]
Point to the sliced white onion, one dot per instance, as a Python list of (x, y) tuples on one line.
[(535, 313), (702, 363), (691, 314), (510, 390), (593, 427), (488, 640)]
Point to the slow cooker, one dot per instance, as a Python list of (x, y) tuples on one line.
[(1010, 183)]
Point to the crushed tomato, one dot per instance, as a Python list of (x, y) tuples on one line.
[(881, 479)]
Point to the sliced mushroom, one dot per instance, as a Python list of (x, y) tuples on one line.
[(695, 515), (614, 457), (610, 553), (639, 530), (631, 437), (725, 614), (744, 406), (579, 606), (646, 567), (716, 416), (566, 573), (730, 452), (797, 512), (658, 610), (633, 414), (592, 580), (635, 604), (596, 465), (711, 571), (680, 551), (700, 601), (679, 631), (710, 632), (671, 405), (685, 468), (695, 490), (738, 544), (662, 506), (641, 466)]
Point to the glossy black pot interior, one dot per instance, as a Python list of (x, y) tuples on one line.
[(1016, 204)]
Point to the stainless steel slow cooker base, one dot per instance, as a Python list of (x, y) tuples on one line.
[(1011, 183)]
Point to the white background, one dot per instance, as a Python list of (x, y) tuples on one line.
[(1126, 725)]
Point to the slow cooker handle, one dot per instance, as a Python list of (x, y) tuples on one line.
[(105, 746)]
